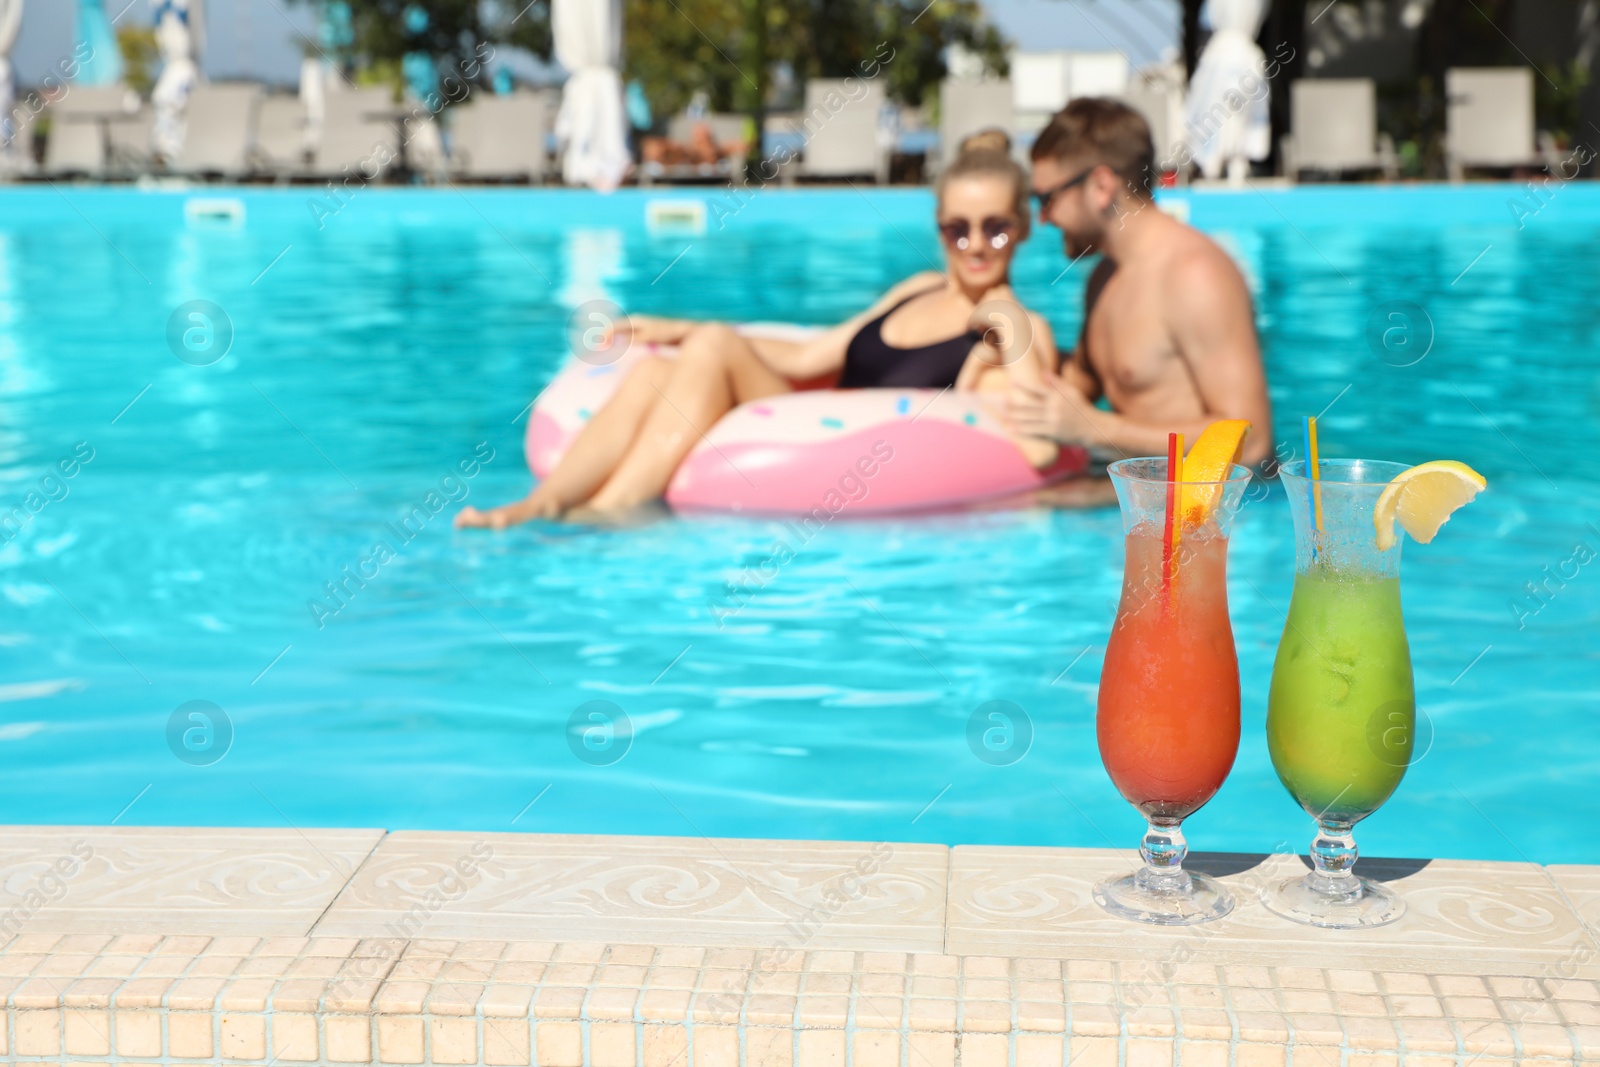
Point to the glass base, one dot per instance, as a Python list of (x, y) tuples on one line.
[(1305, 901), (1187, 900)]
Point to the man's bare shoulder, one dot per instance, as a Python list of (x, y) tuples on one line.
[(1197, 271)]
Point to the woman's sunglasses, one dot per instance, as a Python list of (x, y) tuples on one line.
[(1043, 199), (957, 233)]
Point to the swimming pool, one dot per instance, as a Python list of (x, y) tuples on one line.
[(378, 348)]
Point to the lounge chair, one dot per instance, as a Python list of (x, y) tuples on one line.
[(359, 134), (725, 129), (784, 140), (425, 144), (1161, 104), (1489, 118), (1333, 125), (1041, 81), (1099, 74), (1153, 105), (221, 118), (840, 126), (1041, 84), (86, 126), (131, 154), (966, 106), (501, 138), (279, 146)]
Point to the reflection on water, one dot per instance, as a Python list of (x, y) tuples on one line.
[(593, 262)]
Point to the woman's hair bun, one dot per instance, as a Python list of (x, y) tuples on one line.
[(990, 140), (987, 154)]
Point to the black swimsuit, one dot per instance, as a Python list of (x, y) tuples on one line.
[(870, 362)]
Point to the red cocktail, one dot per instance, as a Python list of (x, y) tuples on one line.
[(1168, 721), (1168, 724)]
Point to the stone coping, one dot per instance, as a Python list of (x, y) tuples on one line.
[(147, 945)]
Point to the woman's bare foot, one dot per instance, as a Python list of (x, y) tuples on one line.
[(639, 515), (584, 515), (614, 500), (533, 506)]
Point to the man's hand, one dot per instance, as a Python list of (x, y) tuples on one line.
[(1053, 409)]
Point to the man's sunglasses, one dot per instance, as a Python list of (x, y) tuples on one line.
[(1043, 199), (957, 233)]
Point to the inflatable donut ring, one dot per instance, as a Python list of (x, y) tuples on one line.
[(855, 451)]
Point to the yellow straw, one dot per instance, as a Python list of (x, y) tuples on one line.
[(1314, 469)]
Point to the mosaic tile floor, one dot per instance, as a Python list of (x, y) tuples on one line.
[(132, 945)]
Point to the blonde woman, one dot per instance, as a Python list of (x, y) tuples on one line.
[(962, 327)]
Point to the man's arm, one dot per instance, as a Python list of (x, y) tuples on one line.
[(1214, 324), (1214, 330), (1056, 409), (1109, 435)]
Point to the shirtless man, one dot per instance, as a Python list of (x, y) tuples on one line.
[(1169, 333)]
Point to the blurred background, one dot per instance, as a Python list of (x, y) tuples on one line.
[(707, 81)]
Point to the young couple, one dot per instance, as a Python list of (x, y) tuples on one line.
[(1168, 337)]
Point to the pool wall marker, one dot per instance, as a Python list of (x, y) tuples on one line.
[(240, 946)]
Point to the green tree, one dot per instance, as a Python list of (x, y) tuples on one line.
[(140, 57), (678, 47), (458, 35), (718, 46), (845, 34), (675, 48)]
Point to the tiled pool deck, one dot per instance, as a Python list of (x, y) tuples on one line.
[(356, 946)]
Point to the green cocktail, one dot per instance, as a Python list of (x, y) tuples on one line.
[(1341, 709)]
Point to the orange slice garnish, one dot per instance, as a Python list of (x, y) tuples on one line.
[(1210, 460)]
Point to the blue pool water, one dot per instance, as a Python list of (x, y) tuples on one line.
[(373, 354)]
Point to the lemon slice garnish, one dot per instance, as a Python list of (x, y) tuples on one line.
[(1423, 498)]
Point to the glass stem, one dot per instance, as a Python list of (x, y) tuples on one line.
[(1163, 849), (1333, 858)]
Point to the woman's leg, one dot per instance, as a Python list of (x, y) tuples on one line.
[(715, 371), (593, 455)]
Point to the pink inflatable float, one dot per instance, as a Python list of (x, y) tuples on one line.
[(861, 451)]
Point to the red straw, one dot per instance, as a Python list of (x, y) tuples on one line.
[(1169, 537)]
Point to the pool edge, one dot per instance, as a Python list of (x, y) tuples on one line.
[(360, 946)]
